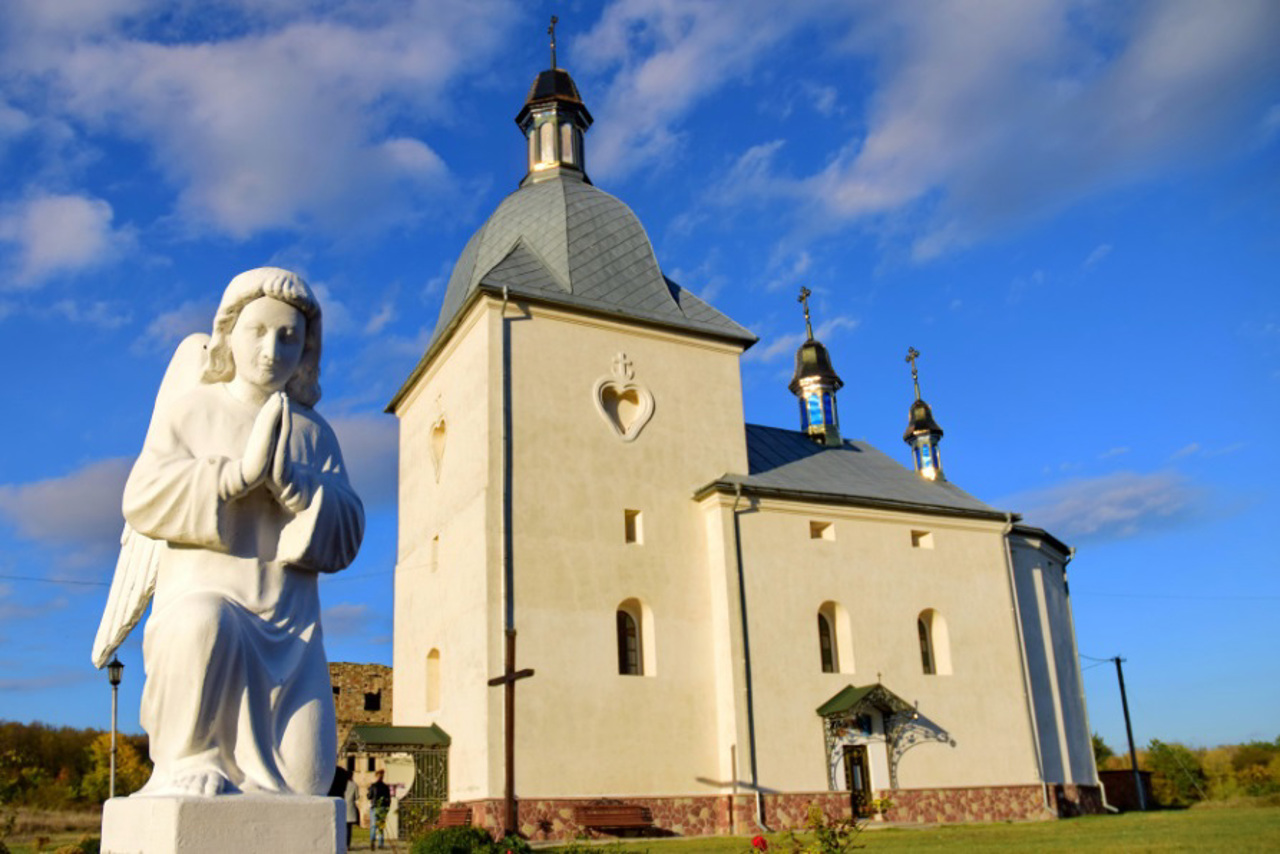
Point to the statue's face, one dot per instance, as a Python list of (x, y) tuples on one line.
[(266, 343)]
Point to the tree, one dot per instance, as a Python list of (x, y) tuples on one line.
[(1177, 776), (1101, 752), (132, 771)]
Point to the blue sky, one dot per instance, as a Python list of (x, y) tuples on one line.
[(1070, 208)]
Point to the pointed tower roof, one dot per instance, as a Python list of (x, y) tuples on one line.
[(919, 416), (812, 359)]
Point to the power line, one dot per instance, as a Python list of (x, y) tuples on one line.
[(55, 580)]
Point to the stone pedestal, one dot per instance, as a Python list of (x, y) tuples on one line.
[(273, 824)]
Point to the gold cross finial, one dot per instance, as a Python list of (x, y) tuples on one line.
[(551, 31), (912, 355), (805, 293)]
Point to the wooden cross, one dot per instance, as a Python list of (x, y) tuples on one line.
[(805, 293), (551, 31), (912, 355), (508, 680)]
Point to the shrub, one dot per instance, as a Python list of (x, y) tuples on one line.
[(455, 840)]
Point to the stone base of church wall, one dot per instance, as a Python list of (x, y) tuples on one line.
[(711, 815), (990, 803)]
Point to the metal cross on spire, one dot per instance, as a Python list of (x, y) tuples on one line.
[(551, 31), (805, 293), (912, 355)]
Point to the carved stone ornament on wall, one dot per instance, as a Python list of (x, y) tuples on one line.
[(439, 433), (625, 405)]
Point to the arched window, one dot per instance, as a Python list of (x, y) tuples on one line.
[(835, 638), (935, 643), (926, 646), (630, 654), (433, 680), (827, 643), (636, 652)]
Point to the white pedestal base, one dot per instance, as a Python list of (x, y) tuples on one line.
[(273, 824)]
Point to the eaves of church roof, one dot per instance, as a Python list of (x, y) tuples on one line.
[(564, 242), (788, 464)]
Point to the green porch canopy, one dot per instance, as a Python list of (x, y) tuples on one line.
[(398, 737), (853, 700)]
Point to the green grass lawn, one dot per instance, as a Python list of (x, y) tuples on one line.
[(1224, 829), (1206, 829)]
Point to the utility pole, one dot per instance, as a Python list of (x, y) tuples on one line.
[(1128, 728)]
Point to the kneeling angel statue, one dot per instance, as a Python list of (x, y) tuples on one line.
[(237, 502)]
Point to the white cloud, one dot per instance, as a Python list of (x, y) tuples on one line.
[(169, 327), (668, 56), (51, 234), (1097, 255), (99, 313), (1185, 451), (348, 619), (76, 514), (1110, 506), (266, 115), (984, 115), (370, 448), (786, 345)]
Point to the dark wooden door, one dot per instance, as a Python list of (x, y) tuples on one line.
[(858, 779)]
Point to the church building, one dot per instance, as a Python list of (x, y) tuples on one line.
[(726, 622)]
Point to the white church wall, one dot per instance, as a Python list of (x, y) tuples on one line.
[(583, 727), (871, 567), (445, 574)]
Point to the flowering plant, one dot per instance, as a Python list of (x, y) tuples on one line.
[(760, 843)]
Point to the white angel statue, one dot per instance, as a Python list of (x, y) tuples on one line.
[(238, 500)]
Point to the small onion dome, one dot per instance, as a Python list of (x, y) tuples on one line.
[(814, 363), (554, 85), (920, 420)]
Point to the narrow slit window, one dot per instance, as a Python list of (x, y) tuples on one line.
[(926, 647), (826, 644), (632, 527), (630, 662)]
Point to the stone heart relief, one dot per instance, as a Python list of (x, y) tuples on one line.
[(625, 406), (439, 431)]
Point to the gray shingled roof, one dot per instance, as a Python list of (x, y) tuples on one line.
[(564, 241), (789, 462)]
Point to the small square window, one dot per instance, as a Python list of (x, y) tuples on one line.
[(822, 531), (633, 530), (373, 701), (336, 690), (921, 540)]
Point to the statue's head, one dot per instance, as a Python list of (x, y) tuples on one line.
[(275, 284)]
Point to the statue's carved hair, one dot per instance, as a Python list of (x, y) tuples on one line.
[(304, 385)]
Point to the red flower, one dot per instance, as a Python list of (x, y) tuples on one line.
[(761, 843)]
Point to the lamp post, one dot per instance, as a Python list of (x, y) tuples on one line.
[(115, 671)]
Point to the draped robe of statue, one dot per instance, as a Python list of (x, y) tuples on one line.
[(236, 678)]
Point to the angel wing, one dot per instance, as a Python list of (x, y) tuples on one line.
[(139, 562)]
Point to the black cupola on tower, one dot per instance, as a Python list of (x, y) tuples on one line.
[(553, 120), (923, 433), (815, 383)]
